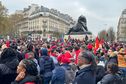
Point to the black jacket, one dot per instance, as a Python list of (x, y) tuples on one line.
[(110, 79), (100, 72), (85, 76), (28, 78), (8, 72)]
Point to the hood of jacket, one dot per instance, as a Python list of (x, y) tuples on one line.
[(44, 52)]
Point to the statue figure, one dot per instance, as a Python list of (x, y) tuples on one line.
[(81, 25)]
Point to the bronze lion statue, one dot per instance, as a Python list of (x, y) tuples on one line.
[(81, 25)]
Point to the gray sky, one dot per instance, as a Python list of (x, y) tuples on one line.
[(100, 14)]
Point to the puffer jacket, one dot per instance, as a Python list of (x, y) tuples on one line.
[(8, 72)]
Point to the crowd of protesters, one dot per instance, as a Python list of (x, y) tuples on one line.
[(55, 62)]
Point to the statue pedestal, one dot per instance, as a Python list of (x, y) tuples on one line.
[(79, 35)]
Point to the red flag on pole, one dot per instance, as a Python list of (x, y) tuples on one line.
[(96, 44)]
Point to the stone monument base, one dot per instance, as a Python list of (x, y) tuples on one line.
[(79, 35)]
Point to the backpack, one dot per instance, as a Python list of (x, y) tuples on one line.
[(69, 74), (47, 66)]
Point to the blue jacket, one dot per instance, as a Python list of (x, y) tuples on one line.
[(85, 76), (58, 75)]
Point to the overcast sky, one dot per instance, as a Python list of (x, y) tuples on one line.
[(100, 14)]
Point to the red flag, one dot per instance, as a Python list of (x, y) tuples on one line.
[(96, 44)]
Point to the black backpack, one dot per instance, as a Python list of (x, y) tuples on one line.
[(48, 66), (69, 74)]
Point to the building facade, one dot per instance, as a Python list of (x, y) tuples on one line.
[(121, 30), (42, 22)]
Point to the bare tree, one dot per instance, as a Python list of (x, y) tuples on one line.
[(111, 34), (13, 21), (8, 22), (103, 35), (3, 18)]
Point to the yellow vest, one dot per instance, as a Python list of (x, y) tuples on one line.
[(121, 61)]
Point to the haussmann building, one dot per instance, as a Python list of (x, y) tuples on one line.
[(42, 22), (121, 30)]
